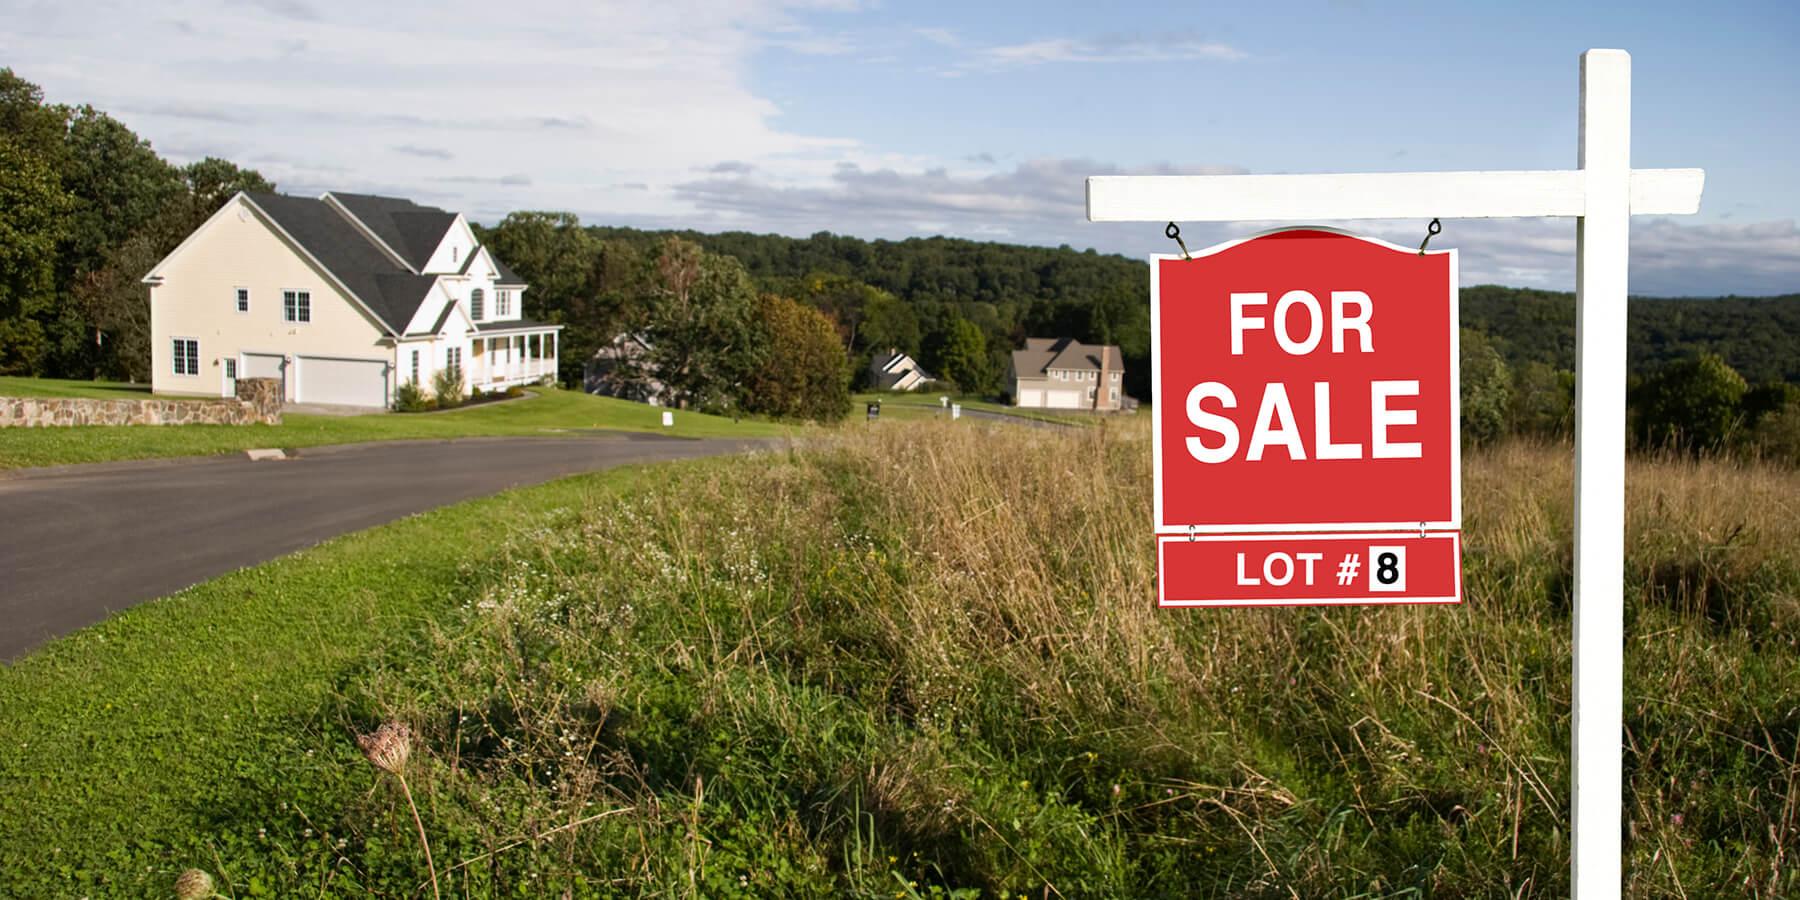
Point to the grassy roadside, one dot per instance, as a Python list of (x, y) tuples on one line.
[(185, 730), (827, 673), (544, 413), (925, 405)]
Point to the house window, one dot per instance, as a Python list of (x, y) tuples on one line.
[(243, 300), (453, 360), (503, 303), (415, 366), (231, 370), (186, 356), (1115, 377), (1115, 395), (296, 306), (475, 302)]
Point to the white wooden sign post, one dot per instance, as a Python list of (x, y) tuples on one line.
[(1602, 194)]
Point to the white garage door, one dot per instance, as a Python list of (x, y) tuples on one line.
[(346, 382), (265, 365), (1064, 400), (1031, 397)]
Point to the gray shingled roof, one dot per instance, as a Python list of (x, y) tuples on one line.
[(411, 230), (350, 257), (390, 290), (1040, 354), (510, 324), (505, 276)]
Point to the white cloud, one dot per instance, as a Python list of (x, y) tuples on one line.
[(1172, 46), (1042, 202), (642, 113), (577, 100)]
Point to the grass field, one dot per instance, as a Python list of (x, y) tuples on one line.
[(914, 662), (924, 404), (19, 386), (549, 410)]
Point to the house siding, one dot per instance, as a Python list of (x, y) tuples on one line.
[(196, 299)]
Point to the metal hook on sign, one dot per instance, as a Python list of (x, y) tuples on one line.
[(1421, 530), (1192, 536), (1431, 231), (1174, 233)]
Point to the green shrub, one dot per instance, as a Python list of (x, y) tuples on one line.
[(410, 397), (447, 384)]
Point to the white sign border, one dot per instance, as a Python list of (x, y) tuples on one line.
[(1163, 540), (1156, 444)]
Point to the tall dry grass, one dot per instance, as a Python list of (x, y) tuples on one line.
[(927, 658)]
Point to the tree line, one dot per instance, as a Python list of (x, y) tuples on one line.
[(738, 321), (86, 209)]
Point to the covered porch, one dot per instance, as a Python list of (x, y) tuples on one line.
[(502, 354)]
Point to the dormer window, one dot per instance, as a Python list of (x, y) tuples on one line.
[(476, 297), (503, 303)]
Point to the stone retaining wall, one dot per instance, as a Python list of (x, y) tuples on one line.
[(258, 401)]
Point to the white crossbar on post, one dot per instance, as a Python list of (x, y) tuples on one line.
[(1602, 194), (1396, 195)]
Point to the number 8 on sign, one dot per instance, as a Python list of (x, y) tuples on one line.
[(1387, 568)]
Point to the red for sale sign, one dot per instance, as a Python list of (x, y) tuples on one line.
[(1306, 387)]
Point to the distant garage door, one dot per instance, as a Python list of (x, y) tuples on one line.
[(1029, 397), (345, 382), (1063, 399)]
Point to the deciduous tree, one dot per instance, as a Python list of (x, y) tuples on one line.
[(804, 372)]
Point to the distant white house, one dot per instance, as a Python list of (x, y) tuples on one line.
[(896, 371), (621, 369), (344, 298)]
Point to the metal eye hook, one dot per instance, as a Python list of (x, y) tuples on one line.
[(1431, 231), (1174, 233)]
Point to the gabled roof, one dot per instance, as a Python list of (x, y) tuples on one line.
[(1041, 354), (390, 290), (411, 230), (504, 276)]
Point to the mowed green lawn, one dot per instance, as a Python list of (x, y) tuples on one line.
[(18, 386), (926, 403), (548, 411)]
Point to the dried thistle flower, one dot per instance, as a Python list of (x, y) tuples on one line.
[(193, 884), (388, 748)]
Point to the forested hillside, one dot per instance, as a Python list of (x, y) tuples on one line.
[(87, 207), (1757, 336)]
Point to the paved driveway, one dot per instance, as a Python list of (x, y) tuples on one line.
[(78, 543)]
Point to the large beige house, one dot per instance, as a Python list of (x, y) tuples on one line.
[(344, 298), (1063, 373)]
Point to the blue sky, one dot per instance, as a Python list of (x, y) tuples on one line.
[(972, 119)]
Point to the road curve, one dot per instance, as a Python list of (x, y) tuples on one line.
[(78, 543)]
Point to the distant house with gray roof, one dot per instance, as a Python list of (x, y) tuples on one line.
[(892, 370), (1063, 373), (343, 297)]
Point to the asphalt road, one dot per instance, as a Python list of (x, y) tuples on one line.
[(78, 543)]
